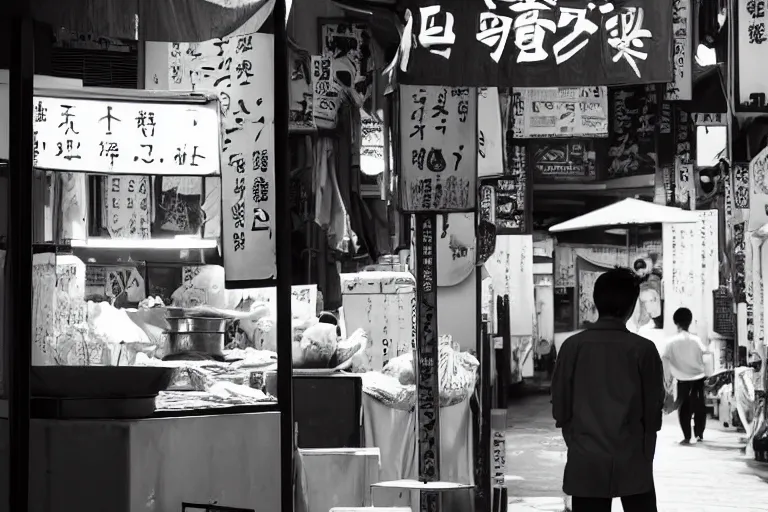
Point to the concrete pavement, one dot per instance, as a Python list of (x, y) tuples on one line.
[(713, 476)]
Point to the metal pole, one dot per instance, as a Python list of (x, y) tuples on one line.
[(427, 385), (283, 256), (19, 250)]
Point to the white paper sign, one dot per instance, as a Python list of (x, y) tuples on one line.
[(682, 270), (681, 87), (127, 207), (126, 137), (240, 70), (438, 139), (490, 141), (752, 53), (371, 145), (758, 191), (539, 112)]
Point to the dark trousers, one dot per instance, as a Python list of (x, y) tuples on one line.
[(645, 502), (690, 394)]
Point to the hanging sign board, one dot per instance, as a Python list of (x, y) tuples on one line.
[(438, 138), (539, 112), (681, 87), (126, 137), (240, 70), (325, 92), (751, 55), (427, 385), (490, 133), (536, 43)]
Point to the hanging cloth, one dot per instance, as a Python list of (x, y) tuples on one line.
[(330, 212)]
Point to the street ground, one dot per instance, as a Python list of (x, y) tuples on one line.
[(713, 476)]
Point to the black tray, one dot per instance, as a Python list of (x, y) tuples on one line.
[(98, 381), (93, 408)]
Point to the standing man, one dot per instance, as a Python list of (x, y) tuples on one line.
[(684, 360), (607, 397)]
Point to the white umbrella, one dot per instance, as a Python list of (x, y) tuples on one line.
[(629, 212)]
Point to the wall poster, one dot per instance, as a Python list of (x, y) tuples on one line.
[(300, 82), (240, 69), (490, 133), (127, 203), (758, 191), (126, 137), (438, 151), (563, 160), (751, 50), (325, 93), (560, 112), (635, 113)]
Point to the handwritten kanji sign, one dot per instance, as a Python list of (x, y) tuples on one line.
[(751, 17), (240, 70), (536, 43), (438, 140), (126, 137)]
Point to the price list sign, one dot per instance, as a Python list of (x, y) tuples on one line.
[(438, 141), (126, 137)]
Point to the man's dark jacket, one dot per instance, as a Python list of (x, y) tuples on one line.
[(607, 397)]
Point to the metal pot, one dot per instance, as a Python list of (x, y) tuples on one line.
[(196, 324), (205, 342)]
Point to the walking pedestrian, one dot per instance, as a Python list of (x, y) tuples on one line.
[(684, 361), (607, 396)]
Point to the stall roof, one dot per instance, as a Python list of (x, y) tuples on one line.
[(629, 212), (161, 20)]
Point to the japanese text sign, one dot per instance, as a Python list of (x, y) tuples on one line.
[(127, 206), (438, 140), (751, 54), (241, 71), (560, 112), (536, 43), (125, 137)]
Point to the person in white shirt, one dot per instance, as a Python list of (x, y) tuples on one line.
[(683, 359)]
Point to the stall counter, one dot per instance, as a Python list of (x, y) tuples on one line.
[(154, 465)]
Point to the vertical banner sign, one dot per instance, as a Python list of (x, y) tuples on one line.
[(499, 446), (325, 93), (240, 69), (681, 86), (751, 56), (758, 191), (428, 392), (438, 137), (682, 262), (741, 186), (127, 205), (490, 133)]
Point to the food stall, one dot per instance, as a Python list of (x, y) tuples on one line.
[(102, 373)]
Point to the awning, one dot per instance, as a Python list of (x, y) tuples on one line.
[(629, 212), (161, 20)]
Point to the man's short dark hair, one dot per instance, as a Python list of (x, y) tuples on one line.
[(640, 264), (616, 292), (683, 318)]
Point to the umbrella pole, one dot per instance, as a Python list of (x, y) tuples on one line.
[(629, 257)]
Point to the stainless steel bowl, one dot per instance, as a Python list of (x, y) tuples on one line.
[(174, 312), (196, 324), (205, 342)]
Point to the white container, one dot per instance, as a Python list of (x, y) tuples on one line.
[(384, 305)]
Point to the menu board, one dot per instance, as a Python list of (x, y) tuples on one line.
[(539, 112), (126, 137), (371, 145), (634, 112), (240, 69), (127, 207), (563, 160), (439, 156), (427, 384)]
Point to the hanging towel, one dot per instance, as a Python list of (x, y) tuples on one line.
[(330, 211)]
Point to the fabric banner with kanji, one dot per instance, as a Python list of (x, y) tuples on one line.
[(536, 43)]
